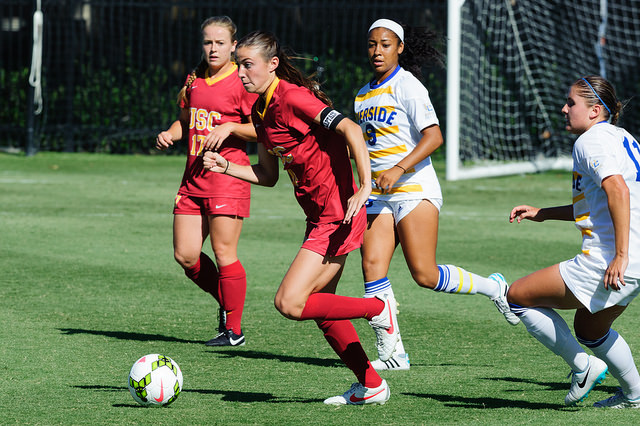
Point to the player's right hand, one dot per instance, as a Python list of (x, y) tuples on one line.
[(525, 212), (163, 141), (214, 162)]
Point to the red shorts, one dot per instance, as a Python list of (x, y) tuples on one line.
[(186, 204), (337, 238)]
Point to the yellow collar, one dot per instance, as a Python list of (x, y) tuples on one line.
[(269, 95), (212, 80)]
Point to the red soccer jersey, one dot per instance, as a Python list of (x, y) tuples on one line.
[(315, 158), (213, 101)]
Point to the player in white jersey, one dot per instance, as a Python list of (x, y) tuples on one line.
[(402, 130), (602, 280)]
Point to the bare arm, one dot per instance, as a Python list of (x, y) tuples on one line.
[(430, 141), (358, 150), (540, 215), (619, 209), (244, 131), (264, 173), (177, 131)]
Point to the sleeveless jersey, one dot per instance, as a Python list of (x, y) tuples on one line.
[(213, 101), (392, 114), (315, 158), (605, 150)]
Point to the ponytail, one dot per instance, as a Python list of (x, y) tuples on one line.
[(420, 50), (269, 47)]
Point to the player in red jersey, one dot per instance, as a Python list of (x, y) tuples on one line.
[(295, 123), (215, 115)]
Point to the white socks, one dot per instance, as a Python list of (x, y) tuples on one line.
[(615, 351), (454, 279), (551, 330)]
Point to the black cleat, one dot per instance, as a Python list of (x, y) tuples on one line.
[(228, 338)]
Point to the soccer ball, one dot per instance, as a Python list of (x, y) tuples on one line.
[(155, 380)]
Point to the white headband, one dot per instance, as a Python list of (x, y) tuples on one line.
[(391, 25)]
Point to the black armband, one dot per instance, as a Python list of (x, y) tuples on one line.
[(330, 118)]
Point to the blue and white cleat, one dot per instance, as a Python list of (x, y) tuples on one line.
[(501, 299), (583, 382)]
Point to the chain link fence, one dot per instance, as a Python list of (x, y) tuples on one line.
[(111, 69)]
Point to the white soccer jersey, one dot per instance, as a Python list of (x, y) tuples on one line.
[(392, 114), (605, 150)]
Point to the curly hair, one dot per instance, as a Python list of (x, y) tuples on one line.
[(420, 49)]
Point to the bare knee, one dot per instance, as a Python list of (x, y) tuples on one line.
[(516, 294), (287, 307), (225, 253), (373, 268), (426, 279), (186, 261)]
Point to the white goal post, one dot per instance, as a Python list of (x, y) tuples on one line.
[(509, 65)]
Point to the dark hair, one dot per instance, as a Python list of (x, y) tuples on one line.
[(596, 90), (201, 69), (269, 47), (420, 49)]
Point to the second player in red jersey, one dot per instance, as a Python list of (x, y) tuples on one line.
[(215, 115)]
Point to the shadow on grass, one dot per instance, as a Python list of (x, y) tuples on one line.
[(125, 335), (228, 396), (229, 352), (321, 362), (547, 385), (102, 388), (484, 403), (248, 397)]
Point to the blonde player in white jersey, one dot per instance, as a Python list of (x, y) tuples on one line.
[(602, 280), (401, 129)]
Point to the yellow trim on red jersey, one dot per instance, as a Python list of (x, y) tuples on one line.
[(213, 80), (269, 95)]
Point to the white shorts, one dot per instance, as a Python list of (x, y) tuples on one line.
[(399, 209), (584, 278)]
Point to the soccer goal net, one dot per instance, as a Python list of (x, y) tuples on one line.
[(510, 63)]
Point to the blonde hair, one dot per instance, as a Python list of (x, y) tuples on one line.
[(200, 69)]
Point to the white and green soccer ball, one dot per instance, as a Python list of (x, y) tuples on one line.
[(155, 380)]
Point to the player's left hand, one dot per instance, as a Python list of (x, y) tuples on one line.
[(214, 162), (356, 202), (614, 275), (216, 136), (388, 178)]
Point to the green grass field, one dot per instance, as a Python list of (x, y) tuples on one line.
[(89, 284)]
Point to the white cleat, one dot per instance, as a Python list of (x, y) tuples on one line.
[(397, 362), (501, 299), (618, 400), (385, 326), (583, 382), (359, 395)]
